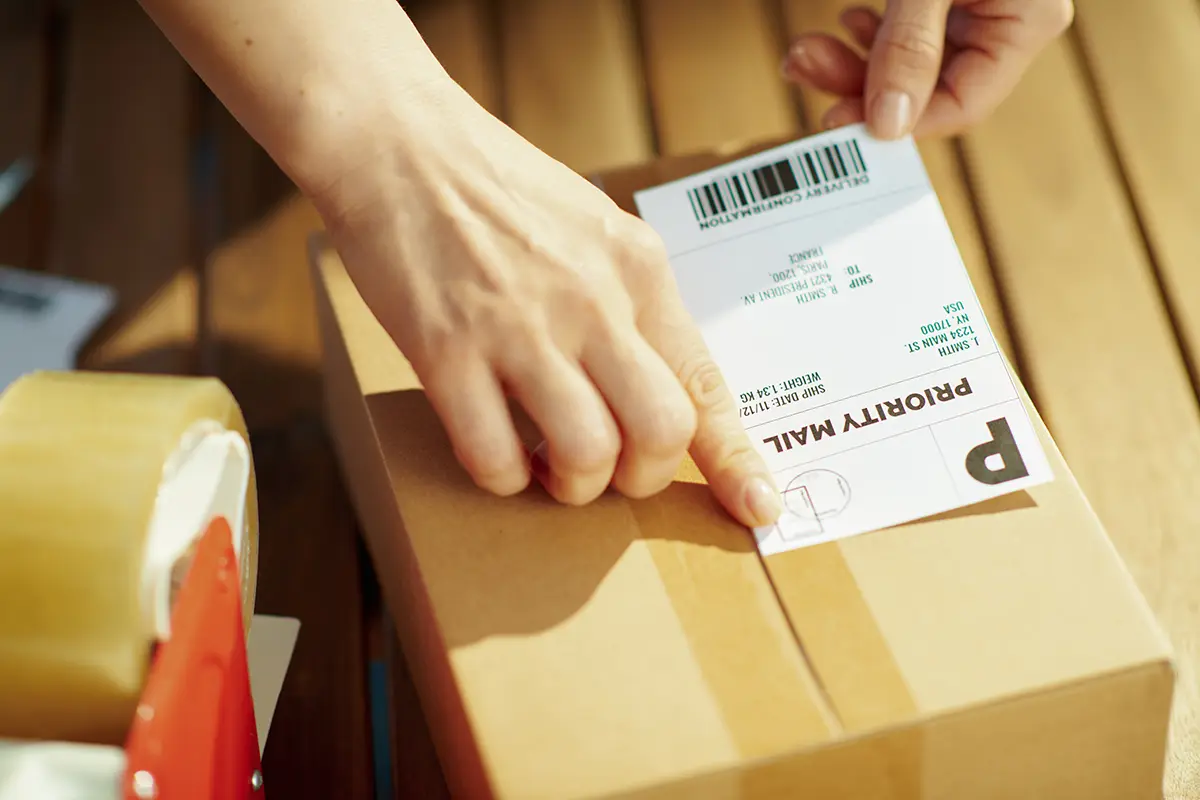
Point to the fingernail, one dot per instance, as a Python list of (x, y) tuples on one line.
[(539, 463), (762, 501), (892, 114), (798, 59)]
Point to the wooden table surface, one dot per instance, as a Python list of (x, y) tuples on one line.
[(1075, 207)]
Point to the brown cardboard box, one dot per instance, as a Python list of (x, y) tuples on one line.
[(643, 649)]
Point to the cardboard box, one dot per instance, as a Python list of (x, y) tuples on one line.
[(645, 650)]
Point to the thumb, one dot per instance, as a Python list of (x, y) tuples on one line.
[(904, 64)]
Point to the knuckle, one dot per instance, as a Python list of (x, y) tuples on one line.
[(740, 455), (586, 301), (438, 346), (973, 115), (588, 449), (705, 384), (669, 430), (728, 449), (643, 253), (518, 338), (440, 367), (645, 242), (913, 46)]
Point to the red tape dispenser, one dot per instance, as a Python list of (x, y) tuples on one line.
[(194, 736), (129, 501)]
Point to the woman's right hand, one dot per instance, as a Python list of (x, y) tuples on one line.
[(501, 273)]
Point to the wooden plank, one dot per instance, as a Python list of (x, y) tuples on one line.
[(22, 91), (1145, 60), (462, 36), (121, 205), (261, 320), (262, 341), (250, 186), (406, 761), (23, 59), (22, 231), (818, 16), (713, 72), (262, 317), (1100, 352), (308, 568), (15, 14), (941, 162), (573, 83)]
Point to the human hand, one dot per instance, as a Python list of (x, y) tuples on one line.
[(934, 67), (501, 273)]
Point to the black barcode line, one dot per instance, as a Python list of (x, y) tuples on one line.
[(841, 161), (827, 173), (737, 184), (862, 165), (767, 176), (813, 177), (803, 169), (837, 172), (787, 177), (753, 187)]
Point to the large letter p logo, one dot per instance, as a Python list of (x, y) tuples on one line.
[(1002, 444)]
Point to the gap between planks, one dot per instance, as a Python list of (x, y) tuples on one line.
[(1100, 349), (121, 204), (941, 160), (1144, 65)]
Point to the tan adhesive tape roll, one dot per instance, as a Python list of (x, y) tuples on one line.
[(106, 481)]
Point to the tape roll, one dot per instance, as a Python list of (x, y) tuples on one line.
[(105, 482)]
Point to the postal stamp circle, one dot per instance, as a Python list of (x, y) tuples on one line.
[(817, 494)]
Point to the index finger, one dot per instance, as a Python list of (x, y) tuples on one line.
[(722, 450)]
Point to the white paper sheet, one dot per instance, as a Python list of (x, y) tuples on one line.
[(45, 319), (830, 291), (269, 649)]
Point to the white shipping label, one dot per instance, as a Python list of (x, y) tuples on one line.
[(830, 291)]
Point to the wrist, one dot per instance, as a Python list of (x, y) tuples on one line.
[(402, 155), (345, 130)]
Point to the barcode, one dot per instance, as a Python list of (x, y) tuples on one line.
[(804, 169)]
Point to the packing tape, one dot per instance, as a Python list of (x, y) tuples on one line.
[(840, 637), (770, 701), (846, 652), (106, 482)]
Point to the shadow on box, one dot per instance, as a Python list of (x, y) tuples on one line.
[(558, 567)]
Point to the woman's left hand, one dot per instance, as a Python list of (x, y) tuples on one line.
[(933, 67)]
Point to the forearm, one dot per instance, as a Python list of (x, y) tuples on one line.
[(310, 80)]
